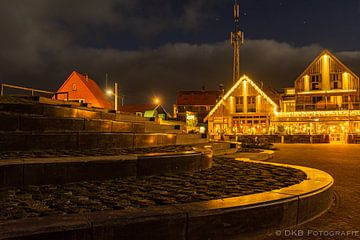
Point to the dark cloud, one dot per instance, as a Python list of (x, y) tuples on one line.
[(43, 41)]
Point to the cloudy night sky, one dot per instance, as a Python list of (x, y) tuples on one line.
[(157, 47)]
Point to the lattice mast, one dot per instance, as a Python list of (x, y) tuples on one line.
[(237, 39)]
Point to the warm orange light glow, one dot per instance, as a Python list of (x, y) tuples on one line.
[(156, 100), (319, 113), (109, 92), (328, 91)]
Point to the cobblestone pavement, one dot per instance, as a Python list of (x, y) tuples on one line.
[(342, 162), (92, 152), (227, 178)]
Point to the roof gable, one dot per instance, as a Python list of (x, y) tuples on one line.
[(332, 57), (234, 87), (92, 87)]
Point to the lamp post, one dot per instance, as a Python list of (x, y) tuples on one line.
[(116, 95)]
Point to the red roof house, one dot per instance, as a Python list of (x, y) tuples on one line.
[(82, 88), (197, 97), (198, 103)]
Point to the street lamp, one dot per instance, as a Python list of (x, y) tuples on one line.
[(156, 100), (115, 93)]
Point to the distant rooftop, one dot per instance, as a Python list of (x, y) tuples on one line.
[(198, 97)]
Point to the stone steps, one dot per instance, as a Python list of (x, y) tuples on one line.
[(19, 122)]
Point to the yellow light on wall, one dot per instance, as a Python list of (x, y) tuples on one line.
[(325, 57)]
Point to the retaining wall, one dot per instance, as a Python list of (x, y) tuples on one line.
[(230, 218), (24, 172), (288, 138)]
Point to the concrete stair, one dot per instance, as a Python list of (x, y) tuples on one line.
[(41, 127)]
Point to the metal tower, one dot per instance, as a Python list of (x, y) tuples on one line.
[(237, 39)]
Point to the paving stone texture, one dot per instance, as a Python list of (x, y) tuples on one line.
[(342, 162), (92, 152), (227, 178)]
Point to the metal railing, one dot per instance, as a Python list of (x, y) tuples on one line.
[(328, 107), (32, 90)]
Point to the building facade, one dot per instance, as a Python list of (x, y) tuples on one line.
[(324, 100), (195, 104), (81, 88), (244, 109)]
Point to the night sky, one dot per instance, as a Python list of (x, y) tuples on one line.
[(157, 47)]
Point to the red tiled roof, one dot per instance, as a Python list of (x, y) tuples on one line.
[(95, 89), (197, 97), (88, 90)]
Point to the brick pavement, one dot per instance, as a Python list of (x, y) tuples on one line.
[(227, 178)]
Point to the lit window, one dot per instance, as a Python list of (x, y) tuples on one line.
[(74, 87)]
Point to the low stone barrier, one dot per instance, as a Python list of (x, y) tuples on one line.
[(353, 139), (230, 218), (318, 138), (24, 172)]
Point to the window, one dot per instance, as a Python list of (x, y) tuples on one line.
[(239, 100), (251, 103), (315, 82), (251, 99), (336, 80), (74, 87), (239, 104), (316, 99)]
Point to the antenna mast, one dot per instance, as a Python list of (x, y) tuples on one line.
[(237, 39)]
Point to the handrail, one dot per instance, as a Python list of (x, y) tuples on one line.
[(33, 90)]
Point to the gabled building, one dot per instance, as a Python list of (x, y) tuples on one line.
[(244, 109), (83, 89), (326, 84), (325, 100), (195, 103)]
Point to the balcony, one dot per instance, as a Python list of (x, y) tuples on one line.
[(328, 107)]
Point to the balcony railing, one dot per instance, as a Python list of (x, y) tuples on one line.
[(328, 107)]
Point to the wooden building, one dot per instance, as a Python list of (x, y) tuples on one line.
[(81, 88), (325, 100), (244, 109)]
